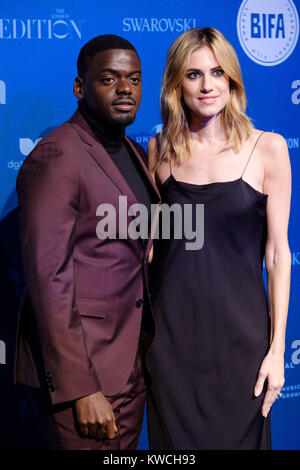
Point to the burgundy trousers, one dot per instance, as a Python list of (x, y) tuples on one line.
[(62, 429)]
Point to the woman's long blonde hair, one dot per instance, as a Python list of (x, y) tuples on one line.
[(173, 140)]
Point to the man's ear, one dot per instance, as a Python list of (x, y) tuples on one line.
[(78, 89)]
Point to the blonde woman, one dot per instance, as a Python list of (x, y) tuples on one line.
[(217, 360)]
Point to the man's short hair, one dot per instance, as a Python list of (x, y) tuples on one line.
[(99, 44)]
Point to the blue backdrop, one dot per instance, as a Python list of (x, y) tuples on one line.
[(39, 45)]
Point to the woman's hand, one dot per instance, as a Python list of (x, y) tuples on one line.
[(272, 370)]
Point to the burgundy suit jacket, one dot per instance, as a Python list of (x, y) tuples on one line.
[(83, 330)]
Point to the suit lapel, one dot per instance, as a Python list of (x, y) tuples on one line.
[(102, 158), (99, 154)]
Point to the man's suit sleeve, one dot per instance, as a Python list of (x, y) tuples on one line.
[(49, 191)]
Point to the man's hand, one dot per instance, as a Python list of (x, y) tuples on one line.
[(96, 417)]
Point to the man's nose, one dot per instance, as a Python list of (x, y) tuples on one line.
[(123, 87)]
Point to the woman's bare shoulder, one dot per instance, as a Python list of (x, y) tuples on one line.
[(270, 141), (274, 152), (153, 142)]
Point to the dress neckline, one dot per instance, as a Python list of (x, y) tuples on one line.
[(215, 183)]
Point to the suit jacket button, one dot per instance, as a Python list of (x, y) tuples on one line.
[(139, 303)]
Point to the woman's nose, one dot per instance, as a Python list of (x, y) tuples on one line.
[(206, 85)]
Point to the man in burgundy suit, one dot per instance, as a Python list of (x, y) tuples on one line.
[(86, 317)]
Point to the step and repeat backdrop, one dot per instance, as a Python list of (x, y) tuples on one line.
[(39, 44)]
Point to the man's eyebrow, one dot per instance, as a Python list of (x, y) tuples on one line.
[(117, 72)]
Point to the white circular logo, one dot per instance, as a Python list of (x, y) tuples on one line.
[(268, 30)]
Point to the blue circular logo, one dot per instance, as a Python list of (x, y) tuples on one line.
[(268, 31)]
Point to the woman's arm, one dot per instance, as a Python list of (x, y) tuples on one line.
[(152, 152), (277, 184), (152, 155)]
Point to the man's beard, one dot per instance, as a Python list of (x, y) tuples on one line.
[(120, 122)]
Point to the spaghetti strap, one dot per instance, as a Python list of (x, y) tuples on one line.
[(252, 152)]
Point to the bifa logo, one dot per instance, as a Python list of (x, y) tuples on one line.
[(2, 92), (296, 94), (268, 30), (26, 145), (2, 352)]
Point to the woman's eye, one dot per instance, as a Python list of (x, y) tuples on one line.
[(218, 73), (193, 75)]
